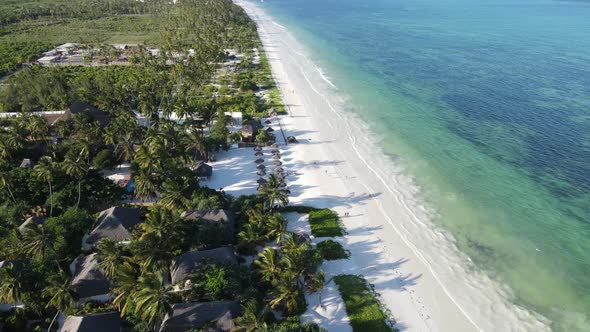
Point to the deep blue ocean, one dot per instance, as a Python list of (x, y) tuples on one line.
[(487, 103)]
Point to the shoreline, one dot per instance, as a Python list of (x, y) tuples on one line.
[(413, 265)]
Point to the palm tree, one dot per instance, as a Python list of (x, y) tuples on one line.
[(6, 182), (276, 226), (44, 171), (109, 257), (37, 127), (273, 193), (317, 283), (36, 241), (153, 299), (253, 318), (10, 285), (269, 264), (126, 285), (173, 195), (76, 169), (286, 292), (145, 186), (62, 294)]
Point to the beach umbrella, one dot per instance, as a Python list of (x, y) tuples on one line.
[(270, 129), (274, 151), (268, 121), (262, 181), (257, 148), (274, 145), (260, 166), (276, 156), (259, 161), (260, 172), (277, 162), (279, 170), (258, 154)]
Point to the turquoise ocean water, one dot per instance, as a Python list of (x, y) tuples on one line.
[(487, 105)]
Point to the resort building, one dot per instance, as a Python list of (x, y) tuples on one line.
[(89, 281), (184, 265), (108, 321), (115, 224), (219, 316), (217, 216)]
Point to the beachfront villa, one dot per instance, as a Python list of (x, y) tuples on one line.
[(217, 315), (115, 224), (89, 281), (108, 321)]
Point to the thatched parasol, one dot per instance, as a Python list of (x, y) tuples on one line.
[(257, 148), (260, 166), (279, 170), (276, 156), (268, 121), (274, 145), (259, 161), (275, 151), (262, 181), (258, 154), (261, 172), (277, 162)]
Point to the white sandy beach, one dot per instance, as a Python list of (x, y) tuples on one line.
[(426, 283)]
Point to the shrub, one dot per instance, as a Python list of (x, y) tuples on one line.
[(105, 159), (332, 250), (325, 223)]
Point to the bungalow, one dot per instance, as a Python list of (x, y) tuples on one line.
[(115, 224), (80, 107), (89, 281), (48, 60), (218, 315), (249, 130), (187, 263), (108, 321), (204, 170), (212, 216)]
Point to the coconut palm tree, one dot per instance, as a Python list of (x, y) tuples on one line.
[(253, 318), (63, 296), (152, 300), (269, 264), (36, 241), (276, 226), (44, 171), (173, 195), (76, 169), (145, 186), (10, 285), (109, 257), (126, 286), (273, 193), (6, 182), (286, 293)]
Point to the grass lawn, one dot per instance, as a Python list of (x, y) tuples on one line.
[(361, 306), (332, 250), (325, 223)]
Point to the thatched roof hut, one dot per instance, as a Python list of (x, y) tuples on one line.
[(108, 321), (258, 154), (249, 130), (187, 263), (203, 169), (89, 279), (261, 172), (212, 216), (277, 162), (262, 181), (189, 316), (260, 166), (257, 148), (259, 161), (276, 156), (115, 224)]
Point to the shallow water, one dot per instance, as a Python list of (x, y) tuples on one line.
[(486, 103)]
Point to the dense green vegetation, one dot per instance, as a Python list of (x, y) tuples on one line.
[(325, 223), (64, 188), (28, 28), (332, 250), (362, 307)]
